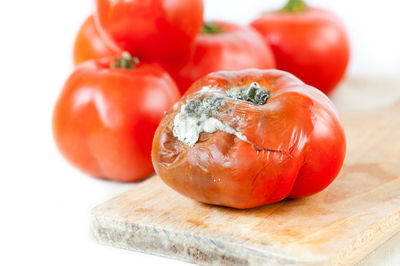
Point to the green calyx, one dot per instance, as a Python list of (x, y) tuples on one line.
[(211, 28), (126, 61), (294, 6)]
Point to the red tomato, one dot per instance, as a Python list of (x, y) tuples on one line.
[(105, 117), (89, 45), (151, 29), (222, 46), (308, 42), (247, 138)]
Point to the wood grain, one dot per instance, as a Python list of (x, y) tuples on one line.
[(339, 226)]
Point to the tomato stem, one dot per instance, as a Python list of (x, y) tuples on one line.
[(294, 6), (211, 28), (126, 61), (253, 94)]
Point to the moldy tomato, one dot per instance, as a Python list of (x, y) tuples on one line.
[(106, 116), (89, 44), (222, 46), (308, 42), (247, 138), (151, 29)]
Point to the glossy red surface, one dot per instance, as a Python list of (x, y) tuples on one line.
[(312, 45), (151, 29), (89, 45), (235, 48), (105, 119), (296, 144)]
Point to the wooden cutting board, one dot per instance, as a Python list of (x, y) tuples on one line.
[(339, 226)]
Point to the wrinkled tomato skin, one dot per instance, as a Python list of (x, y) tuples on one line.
[(235, 48), (151, 29), (296, 143), (104, 120), (312, 45), (89, 45)]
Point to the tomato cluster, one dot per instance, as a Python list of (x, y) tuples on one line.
[(134, 59), (308, 42)]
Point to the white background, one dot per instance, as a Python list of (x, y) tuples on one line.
[(44, 202)]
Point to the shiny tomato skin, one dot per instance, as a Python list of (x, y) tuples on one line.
[(89, 44), (235, 48), (104, 120), (150, 29), (296, 143), (312, 45)]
